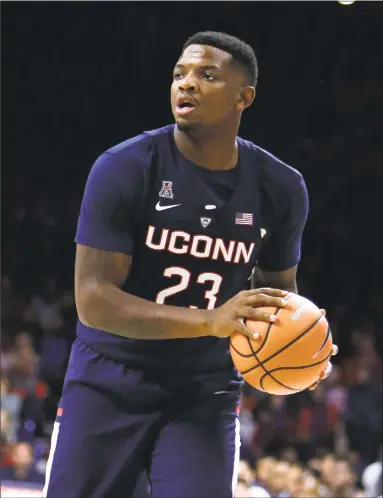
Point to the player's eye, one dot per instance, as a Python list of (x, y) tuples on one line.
[(177, 76), (208, 77)]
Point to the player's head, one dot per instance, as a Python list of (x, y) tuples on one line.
[(213, 81)]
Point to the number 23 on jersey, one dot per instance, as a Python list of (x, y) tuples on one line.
[(185, 276)]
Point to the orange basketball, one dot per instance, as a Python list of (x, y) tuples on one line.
[(290, 354)]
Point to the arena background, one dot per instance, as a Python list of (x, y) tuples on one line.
[(78, 77)]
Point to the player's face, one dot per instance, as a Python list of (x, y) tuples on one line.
[(207, 89)]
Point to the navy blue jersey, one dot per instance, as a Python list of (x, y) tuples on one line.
[(195, 235)]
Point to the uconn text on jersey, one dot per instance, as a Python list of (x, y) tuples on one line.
[(198, 246)]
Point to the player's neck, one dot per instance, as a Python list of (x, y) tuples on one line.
[(212, 152)]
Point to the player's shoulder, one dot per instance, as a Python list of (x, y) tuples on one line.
[(140, 144), (272, 169), (133, 155)]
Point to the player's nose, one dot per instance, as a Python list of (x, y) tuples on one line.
[(187, 84), (187, 88)]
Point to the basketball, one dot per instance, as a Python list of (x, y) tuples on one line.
[(290, 354)]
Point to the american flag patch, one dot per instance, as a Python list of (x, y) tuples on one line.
[(243, 218)]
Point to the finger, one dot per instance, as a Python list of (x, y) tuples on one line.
[(322, 376), (313, 386), (260, 300), (323, 312), (327, 372), (256, 314), (265, 290), (334, 350), (241, 327)]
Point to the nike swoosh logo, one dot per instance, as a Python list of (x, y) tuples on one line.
[(162, 208)]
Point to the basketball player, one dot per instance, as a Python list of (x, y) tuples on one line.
[(172, 224)]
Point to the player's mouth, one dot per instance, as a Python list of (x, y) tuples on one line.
[(185, 105)]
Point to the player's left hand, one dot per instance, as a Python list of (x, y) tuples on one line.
[(328, 369)]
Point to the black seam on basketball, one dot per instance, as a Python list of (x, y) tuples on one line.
[(265, 369), (263, 342), (284, 347), (238, 352), (303, 366), (267, 332), (276, 381), (324, 342), (290, 368)]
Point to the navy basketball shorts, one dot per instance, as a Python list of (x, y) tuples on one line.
[(116, 425)]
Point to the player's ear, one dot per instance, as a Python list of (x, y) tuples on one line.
[(246, 97)]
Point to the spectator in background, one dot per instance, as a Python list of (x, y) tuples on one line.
[(289, 455), (11, 404), (309, 487), (274, 428), (364, 354), (326, 467), (343, 479), (245, 480), (247, 486), (363, 416), (23, 373), (46, 305), (292, 481), (315, 422), (24, 368), (242, 490), (248, 428), (263, 471), (5, 424), (5, 451), (11, 302), (58, 326), (277, 483), (12, 311), (336, 393), (372, 479), (23, 466)]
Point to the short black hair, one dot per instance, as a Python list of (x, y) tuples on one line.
[(243, 55)]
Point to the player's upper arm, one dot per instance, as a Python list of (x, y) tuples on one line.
[(285, 279), (95, 268), (282, 250)]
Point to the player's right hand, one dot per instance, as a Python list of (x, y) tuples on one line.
[(231, 316)]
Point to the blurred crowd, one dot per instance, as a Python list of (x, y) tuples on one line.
[(326, 475), (325, 442), (320, 443)]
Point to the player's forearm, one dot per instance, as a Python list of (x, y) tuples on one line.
[(104, 306)]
